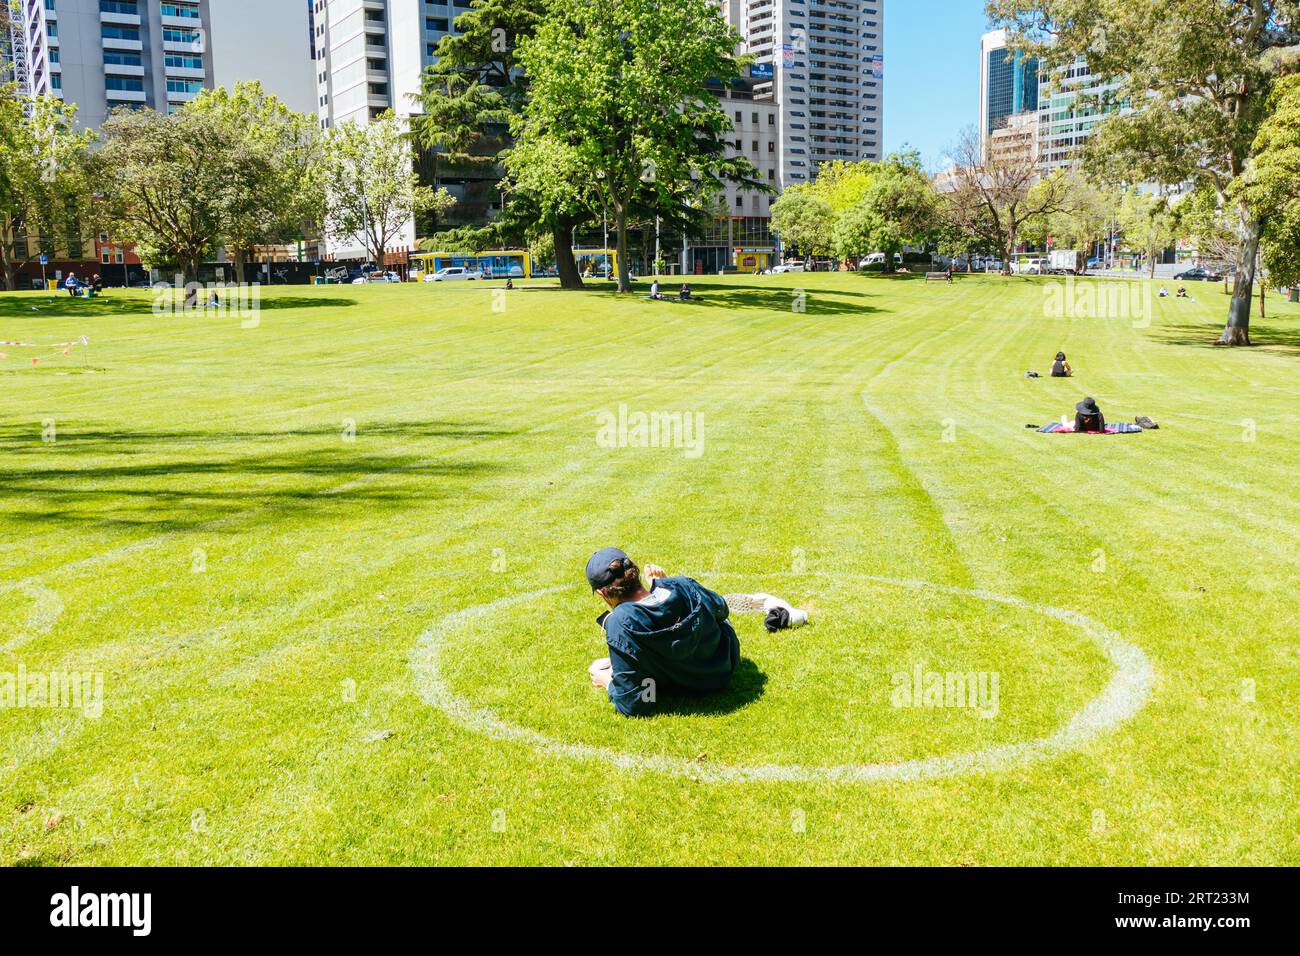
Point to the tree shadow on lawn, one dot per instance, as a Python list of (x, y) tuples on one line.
[(38, 305), (1277, 339), (747, 685), (708, 295), (97, 479)]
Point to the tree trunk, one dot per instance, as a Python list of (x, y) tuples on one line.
[(1237, 331), (620, 225), (562, 236), (1006, 257), (10, 274), (239, 266), (1262, 286)]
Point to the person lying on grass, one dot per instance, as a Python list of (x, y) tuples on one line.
[(672, 637), (1088, 417)]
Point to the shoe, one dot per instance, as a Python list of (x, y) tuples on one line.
[(781, 615)]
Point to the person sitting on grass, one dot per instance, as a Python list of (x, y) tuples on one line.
[(1061, 368), (1182, 292), (654, 290), (1088, 417), (684, 293), (673, 637)]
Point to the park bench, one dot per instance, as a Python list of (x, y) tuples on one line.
[(937, 277)]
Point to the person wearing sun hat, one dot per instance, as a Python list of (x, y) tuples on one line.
[(1088, 417)]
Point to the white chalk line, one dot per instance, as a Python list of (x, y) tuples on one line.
[(46, 611), (1122, 697)]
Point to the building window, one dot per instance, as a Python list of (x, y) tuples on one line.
[(121, 6), (181, 35), (184, 86), (181, 60), (179, 10), (132, 83)]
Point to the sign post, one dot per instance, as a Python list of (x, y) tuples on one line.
[(45, 284)]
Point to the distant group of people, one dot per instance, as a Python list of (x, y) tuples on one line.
[(76, 287), (1181, 294), (684, 293)]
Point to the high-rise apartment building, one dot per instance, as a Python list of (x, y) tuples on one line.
[(103, 54), (822, 63)]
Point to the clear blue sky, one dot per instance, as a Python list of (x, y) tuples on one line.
[(932, 73)]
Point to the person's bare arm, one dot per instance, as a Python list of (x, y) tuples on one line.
[(653, 572)]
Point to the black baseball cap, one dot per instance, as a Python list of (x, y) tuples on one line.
[(599, 574), (1087, 405)]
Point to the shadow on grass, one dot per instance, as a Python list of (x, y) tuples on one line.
[(177, 480), (747, 685), (1278, 339), (713, 295), (35, 305)]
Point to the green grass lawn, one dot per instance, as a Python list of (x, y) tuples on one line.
[(330, 569)]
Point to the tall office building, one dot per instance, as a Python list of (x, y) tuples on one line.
[(103, 54), (1070, 107), (1008, 86), (822, 64)]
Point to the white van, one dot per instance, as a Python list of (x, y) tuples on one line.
[(452, 274)]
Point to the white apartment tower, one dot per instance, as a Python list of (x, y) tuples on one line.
[(102, 54), (822, 64)]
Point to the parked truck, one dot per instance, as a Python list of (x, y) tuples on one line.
[(1067, 262)]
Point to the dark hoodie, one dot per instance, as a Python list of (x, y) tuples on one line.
[(677, 639)]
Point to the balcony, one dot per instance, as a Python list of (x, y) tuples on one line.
[(120, 19), (134, 46), (131, 96), (122, 69)]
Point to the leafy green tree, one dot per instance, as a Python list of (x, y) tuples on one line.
[(1085, 222), (619, 105), (842, 183), (372, 188), (1273, 183), (1202, 72), (278, 183), (995, 197), (1148, 224), (166, 183), (46, 168), (804, 220), (899, 208), (468, 99)]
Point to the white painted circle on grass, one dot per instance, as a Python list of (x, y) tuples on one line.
[(1122, 697), (47, 608)]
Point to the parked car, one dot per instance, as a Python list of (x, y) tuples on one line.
[(1198, 274), (389, 277), (791, 265), (452, 274), (1032, 267), (878, 259)]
